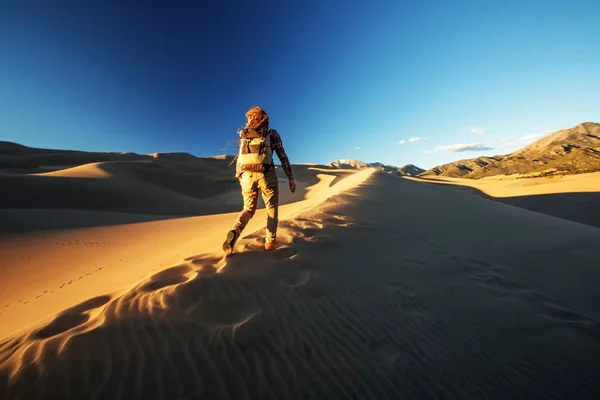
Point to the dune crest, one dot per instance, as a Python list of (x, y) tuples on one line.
[(97, 260)]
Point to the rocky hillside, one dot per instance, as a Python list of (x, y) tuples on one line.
[(568, 151), (349, 163), (408, 169)]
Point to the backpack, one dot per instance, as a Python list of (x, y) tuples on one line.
[(255, 153)]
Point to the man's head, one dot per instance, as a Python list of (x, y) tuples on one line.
[(257, 118)]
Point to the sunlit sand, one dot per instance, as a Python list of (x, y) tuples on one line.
[(381, 287)]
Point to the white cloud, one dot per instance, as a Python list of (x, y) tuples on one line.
[(478, 131), (357, 148), (460, 148), (513, 141), (532, 136), (412, 140), (535, 136)]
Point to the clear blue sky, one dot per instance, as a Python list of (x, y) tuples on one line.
[(340, 79)]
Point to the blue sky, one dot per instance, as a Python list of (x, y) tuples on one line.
[(340, 79)]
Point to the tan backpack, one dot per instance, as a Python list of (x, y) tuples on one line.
[(255, 153)]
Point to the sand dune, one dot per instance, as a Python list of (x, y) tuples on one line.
[(382, 287), (101, 252), (147, 187), (511, 186), (571, 197), (161, 186)]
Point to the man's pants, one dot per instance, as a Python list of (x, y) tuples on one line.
[(251, 183)]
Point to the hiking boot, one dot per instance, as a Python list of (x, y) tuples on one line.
[(232, 237), (269, 245)]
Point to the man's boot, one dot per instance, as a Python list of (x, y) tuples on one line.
[(270, 244), (232, 237)]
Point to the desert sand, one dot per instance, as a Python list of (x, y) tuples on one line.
[(572, 197), (381, 287)]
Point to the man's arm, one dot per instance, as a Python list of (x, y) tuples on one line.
[(277, 145)]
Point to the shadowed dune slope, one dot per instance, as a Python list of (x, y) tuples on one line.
[(162, 186), (390, 289), (575, 197), (144, 187), (579, 207)]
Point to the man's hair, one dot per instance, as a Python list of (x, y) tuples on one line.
[(257, 118)]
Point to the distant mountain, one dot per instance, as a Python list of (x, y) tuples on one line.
[(349, 163), (408, 169), (568, 151)]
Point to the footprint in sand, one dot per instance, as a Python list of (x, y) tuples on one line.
[(406, 291), (383, 350), (71, 317), (294, 271), (325, 242), (168, 277), (409, 301), (203, 262), (284, 252), (223, 315), (554, 310), (295, 278), (308, 231), (436, 247), (489, 275), (492, 276)]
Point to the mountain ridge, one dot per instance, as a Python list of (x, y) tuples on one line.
[(566, 151), (351, 163)]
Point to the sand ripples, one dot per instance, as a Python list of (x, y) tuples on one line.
[(295, 323)]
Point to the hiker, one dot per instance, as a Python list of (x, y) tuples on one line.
[(256, 171)]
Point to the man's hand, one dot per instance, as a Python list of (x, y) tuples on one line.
[(292, 186)]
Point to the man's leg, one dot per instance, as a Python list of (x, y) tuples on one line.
[(270, 193), (250, 193)]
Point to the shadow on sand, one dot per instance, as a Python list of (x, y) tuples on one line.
[(135, 192), (578, 207)]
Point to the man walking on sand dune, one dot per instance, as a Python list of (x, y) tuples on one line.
[(256, 171)]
